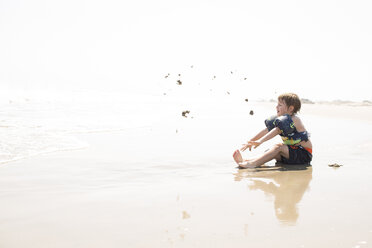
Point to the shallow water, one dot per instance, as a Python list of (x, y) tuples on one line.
[(41, 122)]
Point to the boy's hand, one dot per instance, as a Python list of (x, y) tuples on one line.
[(255, 143), (245, 146), (250, 144)]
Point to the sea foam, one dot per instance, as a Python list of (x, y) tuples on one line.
[(34, 123)]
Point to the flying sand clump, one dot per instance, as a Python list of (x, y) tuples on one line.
[(335, 165), (185, 113)]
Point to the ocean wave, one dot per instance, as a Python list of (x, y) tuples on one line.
[(37, 124)]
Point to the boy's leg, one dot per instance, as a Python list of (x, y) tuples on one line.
[(275, 152)]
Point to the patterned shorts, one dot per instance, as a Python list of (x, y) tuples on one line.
[(298, 155)]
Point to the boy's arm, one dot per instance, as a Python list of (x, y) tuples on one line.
[(256, 137), (274, 132), (260, 135), (268, 136)]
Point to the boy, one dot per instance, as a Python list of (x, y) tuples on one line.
[(296, 147)]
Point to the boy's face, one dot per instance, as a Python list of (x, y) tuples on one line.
[(282, 108)]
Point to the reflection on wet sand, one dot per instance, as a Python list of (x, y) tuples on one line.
[(287, 185)]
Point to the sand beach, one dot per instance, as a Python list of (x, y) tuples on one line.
[(175, 184)]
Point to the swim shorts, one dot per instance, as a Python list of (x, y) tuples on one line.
[(298, 155)]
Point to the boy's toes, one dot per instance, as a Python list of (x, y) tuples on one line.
[(235, 153)]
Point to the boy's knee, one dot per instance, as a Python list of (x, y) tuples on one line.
[(279, 146)]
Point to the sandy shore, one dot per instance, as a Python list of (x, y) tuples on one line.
[(177, 186)]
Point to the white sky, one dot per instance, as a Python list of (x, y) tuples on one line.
[(320, 49)]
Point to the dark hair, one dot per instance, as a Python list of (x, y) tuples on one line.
[(291, 99)]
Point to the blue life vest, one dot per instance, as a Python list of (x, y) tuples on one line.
[(288, 131)]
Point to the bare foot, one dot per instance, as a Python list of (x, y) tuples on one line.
[(246, 164), (237, 157)]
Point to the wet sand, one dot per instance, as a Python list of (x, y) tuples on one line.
[(155, 187)]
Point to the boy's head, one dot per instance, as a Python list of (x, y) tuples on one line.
[(292, 101)]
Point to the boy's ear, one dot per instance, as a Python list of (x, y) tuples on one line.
[(291, 108)]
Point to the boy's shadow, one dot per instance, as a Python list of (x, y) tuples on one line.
[(286, 184)]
